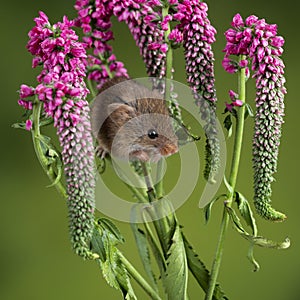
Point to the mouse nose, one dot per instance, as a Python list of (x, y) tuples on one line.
[(168, 149)]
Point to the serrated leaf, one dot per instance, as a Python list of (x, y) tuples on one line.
[(246, 212), (116, 275), (175, 276), (208, 207), (143, 249), (228, 125), (97, 244), (108, 225), (104, 240), (256, 240), (199, 271)]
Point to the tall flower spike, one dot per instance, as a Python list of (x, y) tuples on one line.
[(147, 26), (260, 42), (62, 91), (140, 16), (198, 35), (94, 18)]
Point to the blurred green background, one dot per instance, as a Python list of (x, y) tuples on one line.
[(36, 261)]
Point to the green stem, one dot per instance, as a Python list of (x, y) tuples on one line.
[(139, 278), (168, 76), (232, 180), (130, 186), (159, 185), (36, 137), (148, 181), (91, 88), (110, 75)]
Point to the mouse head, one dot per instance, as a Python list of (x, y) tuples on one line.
[(146, 132)]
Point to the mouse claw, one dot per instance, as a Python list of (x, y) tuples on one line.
[(100, 152)]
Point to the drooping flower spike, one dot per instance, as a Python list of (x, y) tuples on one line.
[(62, 91), (94, 18), (198, 35), (148, 27), (260, 43)]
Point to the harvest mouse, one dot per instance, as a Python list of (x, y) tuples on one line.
[(132, 122)]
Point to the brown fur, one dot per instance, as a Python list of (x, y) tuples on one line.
[(123, 113)]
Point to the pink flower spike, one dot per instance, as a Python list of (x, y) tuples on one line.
[(28, 125)]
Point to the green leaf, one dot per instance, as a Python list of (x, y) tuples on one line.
[(116, 275), (228, 125), (256, 240), (155, 249), (111, 228), (248, 111), (176, 274), (246, 212), (44, 121), (252, 259), (200, 272), (52, 158), (97, 245), (20, 125), (105, 238), (141, 242), (101, 165), (208, 207)]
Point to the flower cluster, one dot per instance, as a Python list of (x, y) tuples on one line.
[(94, 18), (198, 35), (142, 20), (149, 24), (258, 41), (234, 101), (62, 91)]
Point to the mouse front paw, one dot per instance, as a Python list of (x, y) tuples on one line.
[(139, 155), (101, 152)]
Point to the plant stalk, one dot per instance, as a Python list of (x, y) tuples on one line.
[(139, 278), (168, 76), (232, 180), (36, 112)]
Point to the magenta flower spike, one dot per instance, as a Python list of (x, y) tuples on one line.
[(259, 41), (94, 19), (62, 91), (198, 35), (140, 16)]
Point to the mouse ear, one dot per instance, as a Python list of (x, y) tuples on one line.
[(120, 112)]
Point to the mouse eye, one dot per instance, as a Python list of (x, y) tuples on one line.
[(152, 134)]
